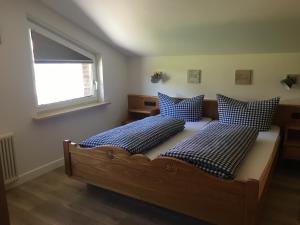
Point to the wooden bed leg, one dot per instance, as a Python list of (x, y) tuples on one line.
[(67, 156), (252, 203)]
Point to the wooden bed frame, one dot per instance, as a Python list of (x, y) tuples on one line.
[(172, 183)]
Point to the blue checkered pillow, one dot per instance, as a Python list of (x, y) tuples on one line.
[(189, 110), (257, 114)]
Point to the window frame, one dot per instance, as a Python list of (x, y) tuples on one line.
[(62, 39)]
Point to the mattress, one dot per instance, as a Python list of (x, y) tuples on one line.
[(189, 129), (255, 161)]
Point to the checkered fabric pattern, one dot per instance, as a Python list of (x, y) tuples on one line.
[(217, 149), (189, 110), (257, 114), (139, 136)]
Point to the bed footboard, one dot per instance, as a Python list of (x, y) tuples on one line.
[(166, 182)]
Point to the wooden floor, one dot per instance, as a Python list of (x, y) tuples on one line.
[(54, 199)]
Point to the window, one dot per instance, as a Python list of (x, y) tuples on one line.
[(64, 73)]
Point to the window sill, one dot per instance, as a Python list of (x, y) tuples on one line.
[(58, 112)]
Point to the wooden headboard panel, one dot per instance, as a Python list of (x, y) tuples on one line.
[(285, 114)]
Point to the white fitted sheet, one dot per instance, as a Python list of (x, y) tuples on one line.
[(189, 129)]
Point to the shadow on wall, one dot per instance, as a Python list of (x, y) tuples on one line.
[(94, 29)]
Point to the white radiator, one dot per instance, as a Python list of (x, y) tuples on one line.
[(7, 157)]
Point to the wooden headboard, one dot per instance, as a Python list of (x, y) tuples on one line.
[(285, 114)]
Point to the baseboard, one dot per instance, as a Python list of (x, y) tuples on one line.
[(30, 175)]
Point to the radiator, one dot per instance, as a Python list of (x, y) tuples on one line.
[(7, 157)]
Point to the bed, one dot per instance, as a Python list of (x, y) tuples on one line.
[(176, 184)]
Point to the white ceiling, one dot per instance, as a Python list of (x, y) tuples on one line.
[(183, 27)]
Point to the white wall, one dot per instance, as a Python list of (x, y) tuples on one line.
[(218, 74), (39, 143)]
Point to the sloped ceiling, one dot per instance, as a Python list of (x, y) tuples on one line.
[(184, 27)]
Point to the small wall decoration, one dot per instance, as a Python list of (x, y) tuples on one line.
[(159, 76), (194, 76), (156, 77), (243, 77)]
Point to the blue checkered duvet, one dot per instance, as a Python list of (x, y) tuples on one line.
[(138, 136), (217, 149)]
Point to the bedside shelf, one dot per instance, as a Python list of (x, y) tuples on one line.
[(140, 113), (291, 144), (295, 143), (141, 106), (144, 111)]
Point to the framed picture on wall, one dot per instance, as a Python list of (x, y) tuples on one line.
[(243, 77), (194, 76)]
